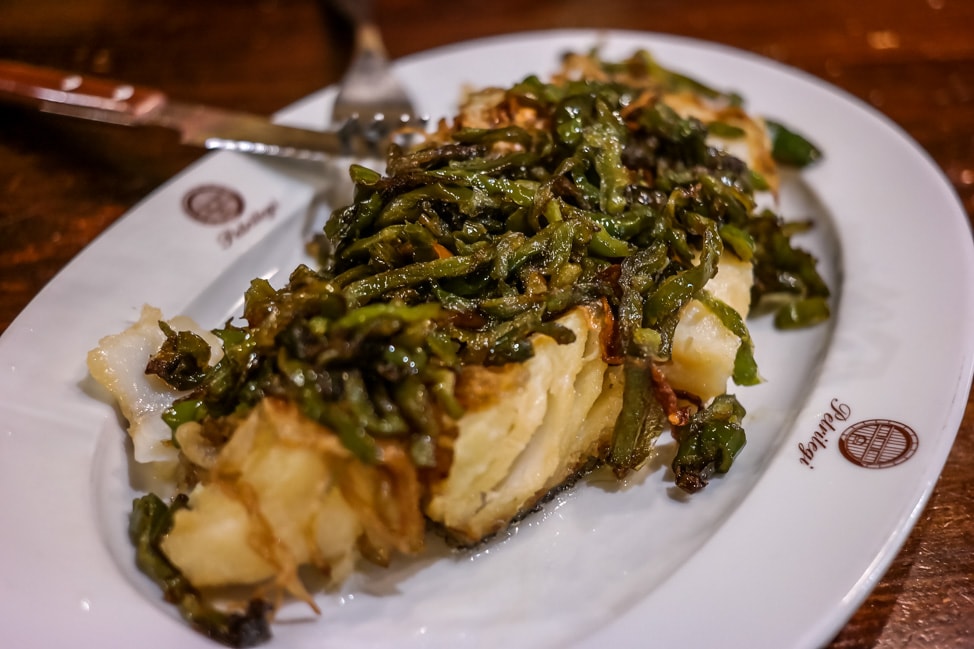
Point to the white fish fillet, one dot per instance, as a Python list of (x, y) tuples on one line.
[(283, 492), (118, 364)]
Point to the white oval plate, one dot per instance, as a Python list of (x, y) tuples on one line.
[(778, 553)]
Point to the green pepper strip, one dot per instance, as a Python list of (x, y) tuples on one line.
[(339, 417), (675, 291), (600, 241), (733, 205), (362, 175), (505, 308), (351, 221), (363, 404), (607, 136), (708, 443), (640, 421), (414, 400), (801, 313), (745, 367), (149, 523), (443, 381), (519, 192), (738, 240), (365, 315), (390, 234), (353, 274), (182, 360), (674, 81), (359, 292), (622, 226), (181, 412), (401, 207), (788, 147), (637, 278), (725, 130)]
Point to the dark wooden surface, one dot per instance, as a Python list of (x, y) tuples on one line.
[(62, 183)]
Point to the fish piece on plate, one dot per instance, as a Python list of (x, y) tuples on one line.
[(118, 364)]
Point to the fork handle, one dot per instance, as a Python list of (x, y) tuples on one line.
[(368, 39), (357, 11)]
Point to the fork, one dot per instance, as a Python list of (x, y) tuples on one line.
[(371, 102)]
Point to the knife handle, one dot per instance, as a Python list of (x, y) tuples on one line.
[(66, 92)]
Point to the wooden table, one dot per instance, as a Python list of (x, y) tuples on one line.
[(62, 183)]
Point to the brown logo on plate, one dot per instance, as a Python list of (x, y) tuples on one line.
[(213, 204), (878, 443)]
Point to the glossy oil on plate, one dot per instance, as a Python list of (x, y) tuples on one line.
[(847, 434)]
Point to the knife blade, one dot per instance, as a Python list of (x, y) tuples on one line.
[(116, 102)]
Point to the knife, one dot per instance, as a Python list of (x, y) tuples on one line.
[(115, 102)]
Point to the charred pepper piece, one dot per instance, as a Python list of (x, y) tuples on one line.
[(150, 521)]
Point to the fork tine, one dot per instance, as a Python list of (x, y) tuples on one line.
[(379, 131), (368, 87)]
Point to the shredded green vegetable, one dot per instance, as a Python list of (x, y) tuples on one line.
[(708, 443), (150, 521), (469, 246), (789, 147), (587, 191)]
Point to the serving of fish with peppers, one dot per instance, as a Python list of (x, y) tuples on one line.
[(545, 285)]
